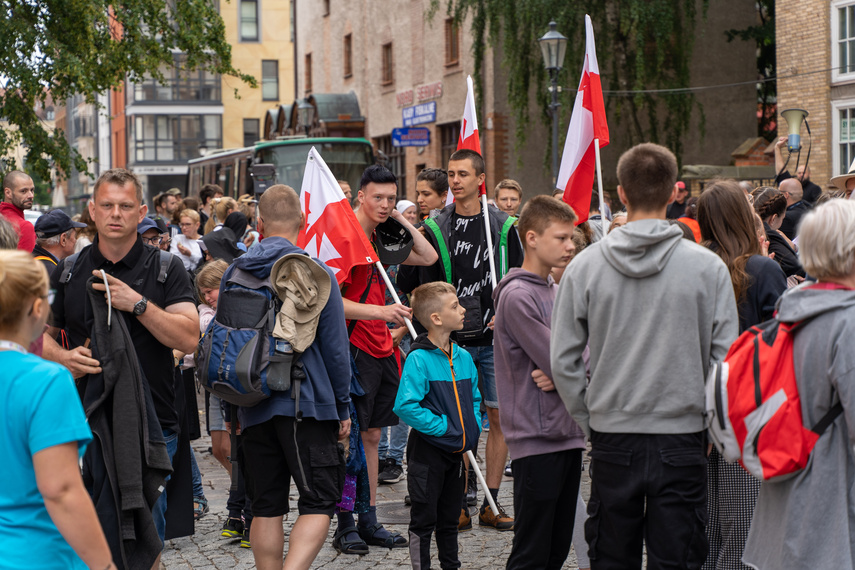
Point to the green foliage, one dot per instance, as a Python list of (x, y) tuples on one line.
[(61, 48), (641, 45), (763, 35)]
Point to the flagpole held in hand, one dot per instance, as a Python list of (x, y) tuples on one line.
[(600, 186), (489, 242), (412, 330)]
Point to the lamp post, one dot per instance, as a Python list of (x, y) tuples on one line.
[(306, 114), (553, 45)]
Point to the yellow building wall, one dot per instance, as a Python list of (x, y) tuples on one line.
[(274, 43)]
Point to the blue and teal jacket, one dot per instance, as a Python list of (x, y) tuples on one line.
[(438, 396)]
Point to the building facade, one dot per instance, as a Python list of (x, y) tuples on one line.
[(262, 39), (410, 71)]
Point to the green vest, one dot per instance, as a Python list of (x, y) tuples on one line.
[(446, 258)]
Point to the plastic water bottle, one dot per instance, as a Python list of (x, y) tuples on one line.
[(279, 370)]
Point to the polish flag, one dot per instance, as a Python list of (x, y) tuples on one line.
[(588, 122), (468, 132), (332, 233)]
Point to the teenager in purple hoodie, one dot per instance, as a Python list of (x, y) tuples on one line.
[(544, 442)]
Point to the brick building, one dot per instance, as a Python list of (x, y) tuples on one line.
[(403, 66)]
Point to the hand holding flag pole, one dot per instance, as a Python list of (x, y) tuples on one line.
[(587, 133)]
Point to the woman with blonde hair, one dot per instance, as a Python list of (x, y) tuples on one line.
[(220, 210), (47, 519)]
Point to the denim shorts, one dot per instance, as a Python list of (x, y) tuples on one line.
[(483, 357)]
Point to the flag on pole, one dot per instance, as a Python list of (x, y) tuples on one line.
[(332, 233), (587, 124), (468, 138)]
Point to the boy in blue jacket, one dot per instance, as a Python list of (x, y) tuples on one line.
[(438, 397)]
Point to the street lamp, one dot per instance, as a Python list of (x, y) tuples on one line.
[(553, 45), (306, 114)]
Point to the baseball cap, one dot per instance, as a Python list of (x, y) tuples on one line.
[(681, 185), (147, 224), (54, 223)]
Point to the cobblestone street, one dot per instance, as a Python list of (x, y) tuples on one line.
[(206, 550)]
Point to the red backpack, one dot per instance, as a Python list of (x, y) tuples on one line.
[(753, 408)]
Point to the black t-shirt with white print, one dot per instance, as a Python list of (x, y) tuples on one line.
[(470, 262)]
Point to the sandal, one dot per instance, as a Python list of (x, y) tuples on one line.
[(200, 507), (394, 540), (343, 545)]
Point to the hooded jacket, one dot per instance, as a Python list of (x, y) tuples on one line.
[(438, 396), (808, 520), (325, 393), (654, 309), (534, 422)]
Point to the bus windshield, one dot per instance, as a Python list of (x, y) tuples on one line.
[(346, 160)]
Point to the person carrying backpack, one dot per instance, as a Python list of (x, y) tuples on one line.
[(808, 519), (294, 434)]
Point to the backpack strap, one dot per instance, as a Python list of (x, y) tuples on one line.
[(503, 246), (443, 249), (165, 259), (362, 298), (827, 419), (68, 268)]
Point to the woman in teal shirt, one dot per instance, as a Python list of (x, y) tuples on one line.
[(47, 519)]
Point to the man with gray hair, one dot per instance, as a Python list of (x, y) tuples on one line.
[(56, 236), (796, 207), (18, 193)]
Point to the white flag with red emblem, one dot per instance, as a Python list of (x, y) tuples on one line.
[(332, 233), (587, 124), (469, 138)]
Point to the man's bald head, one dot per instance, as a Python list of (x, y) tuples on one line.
[(793, 189), (279, 211), (18, 189)]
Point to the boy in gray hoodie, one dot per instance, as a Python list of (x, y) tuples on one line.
[(544, 441), (654, 309)]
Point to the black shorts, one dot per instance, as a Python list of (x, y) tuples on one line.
[(272, 459), (379, 378)]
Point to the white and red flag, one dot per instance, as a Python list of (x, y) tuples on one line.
[(587, 124), (332, 233), (469, 138)]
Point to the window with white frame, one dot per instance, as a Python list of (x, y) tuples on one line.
[(845, 138), (843, 40)]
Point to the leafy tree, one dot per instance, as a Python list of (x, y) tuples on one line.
[(642, 45), (87, 47)]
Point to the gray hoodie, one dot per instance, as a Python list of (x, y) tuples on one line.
[(808, 521), (655, 309)]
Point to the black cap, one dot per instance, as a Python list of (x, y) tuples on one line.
[(54, 223), (394, 242)]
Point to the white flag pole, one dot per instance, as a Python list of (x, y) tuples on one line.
[(484, 206), (412, 330), (600, 186)]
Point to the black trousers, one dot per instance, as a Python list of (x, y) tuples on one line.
[(435, 481), (649, 487), (545, 490)]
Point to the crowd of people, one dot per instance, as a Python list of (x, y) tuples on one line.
[(596, 335)]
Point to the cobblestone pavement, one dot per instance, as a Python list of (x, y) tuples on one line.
[(206, 550)]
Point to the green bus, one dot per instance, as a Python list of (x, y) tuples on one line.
[(230, 168)]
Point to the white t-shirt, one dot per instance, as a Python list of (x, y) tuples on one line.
[(190, 262)]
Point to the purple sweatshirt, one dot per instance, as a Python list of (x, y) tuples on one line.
[(534, 422)]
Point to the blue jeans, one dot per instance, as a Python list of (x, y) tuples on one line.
[(159, 510), (393, 442), (483, 357), (198, 491)]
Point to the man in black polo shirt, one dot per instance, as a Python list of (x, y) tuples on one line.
[(160, 316)]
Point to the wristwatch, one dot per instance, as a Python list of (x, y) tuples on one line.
[(140, 306)]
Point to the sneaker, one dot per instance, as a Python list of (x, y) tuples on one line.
[(244, 540), (508, 472), (407, 500), (232, 529), (472, 489), (465, 521), (499, 522), (200, 507), (391, 473)]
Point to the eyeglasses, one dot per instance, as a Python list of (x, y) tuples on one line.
[(156, 240), (187, 225)]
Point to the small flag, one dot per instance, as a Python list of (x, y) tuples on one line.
[(332, 232), (469, 138), (588, 122)]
